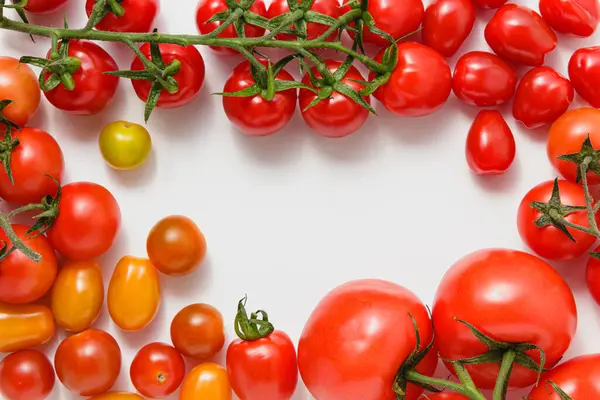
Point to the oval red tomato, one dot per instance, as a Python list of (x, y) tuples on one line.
[(447, 24), (577, 377), (490, 145), (44, 6), (26, 375), (138, 17), (157, 370), (330, 8), (577, 17), (19, 84), (592, 277), (584, 72)]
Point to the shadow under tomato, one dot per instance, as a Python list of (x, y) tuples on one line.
[(187, 286), (498, 183), (141, 176)]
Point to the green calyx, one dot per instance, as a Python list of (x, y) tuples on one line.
[(561, 393), (587, 156), (7, 146), (60, 66), (3, 120), (253, 327)]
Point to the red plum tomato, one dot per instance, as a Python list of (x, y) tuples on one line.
[(592, 276), (490, 145), (575, 17), (44, 6), (447, 24), (157, 370), (578, 378), (138, 17), (330, 8), (19, 84), (584, 72), (26, 375)]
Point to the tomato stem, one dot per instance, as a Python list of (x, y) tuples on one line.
[(251, 328), (508, 361), (16, 241), (466, 389)]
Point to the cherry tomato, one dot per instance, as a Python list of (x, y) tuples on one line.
[(206, 381), (87, 223), (584, 72), (542, 96), (490, 144), (567, 135), (337, 115), (176, 246), (77, 295), (23, 280), (24, 326), (447, 24), (190, 77), (330, 8), (197, 331), (489, 4), (419, 85), (511, 296), (254, 115), (26, 375), (357, 338), (157, 370), (483, 79), (592, 277), (139, 16), (577, 377), (519, 34), (44, 6), (94, 90), (577, 17), (125, 145), (19, 84), (88, 363), (117, 396)]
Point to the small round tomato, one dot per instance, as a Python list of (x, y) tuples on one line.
[(26, 375), (125, 145), (197, 331), (592, 277), (189, 78), (157, 370), (490, 144), (24, 326), (117, 396), (88, 363), (138, 17), (584, 72), (577, 377), (206, 381), (330, 8), (19, 84), (44, 6), (447, 24), (176, 246), (577, 17)]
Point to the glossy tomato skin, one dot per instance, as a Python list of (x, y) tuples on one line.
[(263, 369), (483, 79), (117, 396), (206, 381), (576, 17), (356, 339), (26, 375), (44, 6), (190, 77), (338, 115), (489, 4), (139, 16), (124, 145), (584, 72), (157, 370), (88, 363), (313, 30), (510, 296), (397, 19), (490, 145), (519, 34), (24, 326), (577, 377), (447, 24), (197, 331), (88, 221), (19, 84), (542, 96), (420, 84), (94, 90), (592, 277)]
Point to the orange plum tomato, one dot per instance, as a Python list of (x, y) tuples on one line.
[(24, 326), (206, 381)]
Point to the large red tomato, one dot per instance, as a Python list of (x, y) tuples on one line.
[(578, 378), (490, 145), (584, 72), (447, 24), (313, 30), (19, 84), (356, 339), (138, 17), (577, 17), (44, 6), (26, 375)]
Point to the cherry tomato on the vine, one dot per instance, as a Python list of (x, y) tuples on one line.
[(206, 381), (592, 276), (157, 370), (330, 8), (577, 378), (19, 84), (138, 17), (490, 145), (577, 17), (197, 331), (24, 326), (584, 72), (26, 375), (44, 6), (447, 24), (125, 145)]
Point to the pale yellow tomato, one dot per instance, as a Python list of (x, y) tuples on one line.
[(125, 145)]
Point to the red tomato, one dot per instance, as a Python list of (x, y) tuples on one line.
[(26, 375), (44, 6), (419, 85), (447, 24), (592, 277), (313, 30), (254, 115), (487, 4), (190, 77), (19, 84), (511, 296), (87, 223), (36, 156), (542, 96), (490, 144), (577, 17), (578, 378), (157, 370), (139, 16), (483, 79), (519, 34), (584, 72), (88, 363), (356, 339), (197, 331), (94, 90)]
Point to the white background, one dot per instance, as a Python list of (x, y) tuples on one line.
[(291, 216)]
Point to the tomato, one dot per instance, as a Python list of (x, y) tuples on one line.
[(117, 396), (87, 223), (357, 338), (176, 246), (26, 375), (23, 280), (157, 370), (19, 84), (337, 115), (584, 72), (447, 24), (483, 79), (592, 277), (419, 85), (77, 295), (125, 145), (88, 363), (44, 6), (577, 377), (254, 115), (511, 296), (206, 381), (94, 90), (488, 4), (190, 77), (542, 96), (23, 326), (330, 8), (133, 293), (490, 145), (519, 34), (197, 331), (567, 135), (577, 17), (139, 16)]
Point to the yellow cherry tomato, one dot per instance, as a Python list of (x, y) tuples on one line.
[(117, 396), (206, 381), (78, 295), (24, 326), (125, 145), (133, 293)]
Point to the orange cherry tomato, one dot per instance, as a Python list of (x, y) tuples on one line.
[(78, 295), (197, 331), (24, 326), (19, 84), (117, 396), (206, 381), (133, 293)]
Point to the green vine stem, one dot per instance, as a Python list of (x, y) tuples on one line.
[(466, 387), (16, 241)]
